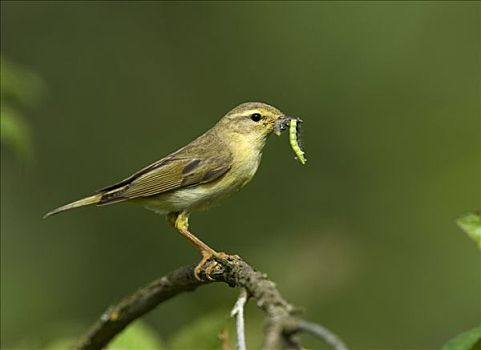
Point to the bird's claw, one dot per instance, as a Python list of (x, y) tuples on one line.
[(198, 269), (211, 259)]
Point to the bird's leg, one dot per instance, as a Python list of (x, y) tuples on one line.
[(181, 222)]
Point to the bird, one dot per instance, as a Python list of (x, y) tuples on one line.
[(199, 175)]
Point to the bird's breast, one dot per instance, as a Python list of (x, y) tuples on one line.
[(247, 155), (246, 159)]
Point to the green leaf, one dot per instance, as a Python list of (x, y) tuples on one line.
[(19, 87), (471, 224), (15, 132), (20, 84), (470, 340), (138, 336), (201, 334)]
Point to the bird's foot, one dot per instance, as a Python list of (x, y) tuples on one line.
[(210, 258)]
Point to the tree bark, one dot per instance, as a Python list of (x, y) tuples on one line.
[(282, 321)]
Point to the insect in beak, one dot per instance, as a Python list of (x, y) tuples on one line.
[(281, 124)]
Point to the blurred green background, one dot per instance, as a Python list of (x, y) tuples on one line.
[(362, 238)]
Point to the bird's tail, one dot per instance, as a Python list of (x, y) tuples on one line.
[(80, 203)]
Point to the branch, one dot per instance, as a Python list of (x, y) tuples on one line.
[(282, 324), (115, 319), (238, 313), (322, 333)]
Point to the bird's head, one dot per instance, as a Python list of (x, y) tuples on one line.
[(254, 120)]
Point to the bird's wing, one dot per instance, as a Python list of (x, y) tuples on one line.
[(177, 173), (189, 166)]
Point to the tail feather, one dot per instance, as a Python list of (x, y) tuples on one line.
[(80, 203)]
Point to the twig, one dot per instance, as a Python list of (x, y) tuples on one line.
[(281, 322), (322, 333), (116, 318), (224, 338), (238, 313)]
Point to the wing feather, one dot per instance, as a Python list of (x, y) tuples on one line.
[(172, 176), (193, 164)]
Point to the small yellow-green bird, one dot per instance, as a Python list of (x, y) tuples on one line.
[(197, 176)]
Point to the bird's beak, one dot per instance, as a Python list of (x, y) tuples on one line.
[(281, 124)]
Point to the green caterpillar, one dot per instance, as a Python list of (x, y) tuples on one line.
[(294, 139)]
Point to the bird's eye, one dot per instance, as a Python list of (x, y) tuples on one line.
[(256, 117)]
